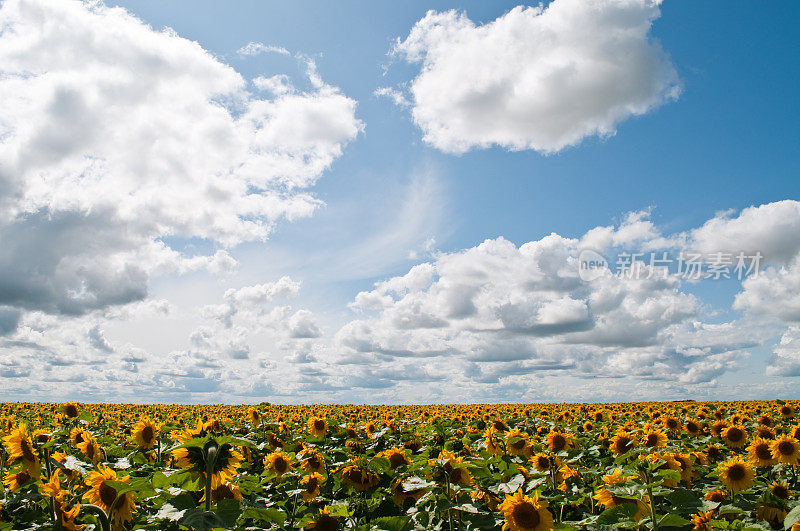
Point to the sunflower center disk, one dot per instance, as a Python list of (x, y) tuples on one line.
[(526, 516)]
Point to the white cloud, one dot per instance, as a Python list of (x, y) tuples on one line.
[(257, 48), (786, 356), (397, 97), (773, 229), (775, 292), (114, 136), (539, 78)]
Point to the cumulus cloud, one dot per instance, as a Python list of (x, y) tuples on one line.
[(540, 78), (508, 312), (785, 360), (115, 136), (772, 229)]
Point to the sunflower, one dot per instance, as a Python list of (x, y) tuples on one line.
[(222, 489), (713, 453), (716, 496), (41, 436), (354, 446), (702, 521), (20, 446), (493, 445), (311, 460), (400, 495), (254, 416), (91, 449), (317, 426), (487, 497), (145, 433), (608, 500), (324, 521), (616, 477), (518, 447), (453, 467), (525, 513), (669, 463), (622, 442), (189, 433), (654, 438), (672, 424), (77, 435), (780, 490), (70, 410), (736, 474), (396, 456), (311, 484), (226, 462), (734, 436), (278, 463), (786, 450), (359, 478), (16, 480), (558, 440), (687, 466), (66, 516), (119, 507), (717, 427), (761, 453), (543, 462), (692, 428), (771, 514), (786, 412)]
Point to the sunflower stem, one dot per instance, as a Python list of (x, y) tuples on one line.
[(105, 523), (652, 503), (294, 504), (211, 460), (56, 522), (449, 515)]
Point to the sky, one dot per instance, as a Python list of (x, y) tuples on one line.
[(369, 202)]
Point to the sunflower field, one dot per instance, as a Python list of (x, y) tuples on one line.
[(676, 465)]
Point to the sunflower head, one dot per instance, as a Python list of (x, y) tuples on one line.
[(760, 452), (525, 513), (324, 521), (208, 455), (106, 496), (786, 450), (317, 426), (145, 433), (70, 410), (736, 474), (278, 463), (734, 436)]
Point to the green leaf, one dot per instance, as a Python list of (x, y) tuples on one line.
[(201, 520), (393, 523), (339, 509), (228, 510), (729, 509), (668, 473), (792, 518), (684, 499), (183, 502), (673, 520), (624, 511), (265, 515)]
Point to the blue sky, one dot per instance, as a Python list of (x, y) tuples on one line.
[(390, 198)]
